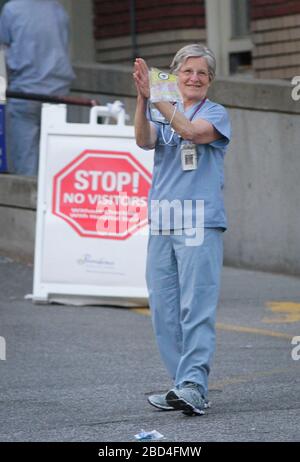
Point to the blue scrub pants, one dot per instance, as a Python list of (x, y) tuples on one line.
[(183, 283), (23, 136)]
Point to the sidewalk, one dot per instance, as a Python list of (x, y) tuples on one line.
[(83, 374)]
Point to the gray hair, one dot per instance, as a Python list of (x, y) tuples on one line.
[(194, 51)]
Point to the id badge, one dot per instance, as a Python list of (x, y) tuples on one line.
[(188, 156)]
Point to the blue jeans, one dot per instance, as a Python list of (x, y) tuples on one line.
[(23, 136), (183, 283)]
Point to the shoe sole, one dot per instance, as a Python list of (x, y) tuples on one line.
[(182, 405), (162, 408)]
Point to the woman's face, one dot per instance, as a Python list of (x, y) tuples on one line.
[(193, 80)]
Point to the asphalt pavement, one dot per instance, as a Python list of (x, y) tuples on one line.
[(84, 373)]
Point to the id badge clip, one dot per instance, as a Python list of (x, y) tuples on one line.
[(188, 156)]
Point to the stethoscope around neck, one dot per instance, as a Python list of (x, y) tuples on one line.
[(199, 106), (163, 135)]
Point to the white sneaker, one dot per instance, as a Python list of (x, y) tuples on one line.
[(160, 402)]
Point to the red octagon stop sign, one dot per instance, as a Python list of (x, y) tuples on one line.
[(102, 194)]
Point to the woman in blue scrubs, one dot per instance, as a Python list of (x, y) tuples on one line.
[(187, 220)]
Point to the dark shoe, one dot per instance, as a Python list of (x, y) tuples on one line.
[(188, 399)]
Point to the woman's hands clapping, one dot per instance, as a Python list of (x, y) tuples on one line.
[(141, 78)]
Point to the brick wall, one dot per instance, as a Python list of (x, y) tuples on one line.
[(276, 37), (162, 27), (112, 17), (262, 9)]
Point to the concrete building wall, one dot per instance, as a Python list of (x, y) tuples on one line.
[(262, 191), (18, 197), (82, 46), (262, 171)]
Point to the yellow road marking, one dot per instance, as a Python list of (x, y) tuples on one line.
[(253, 330), (246, 378), (232, 327), (218, 385), (288, 312), (144, 311)]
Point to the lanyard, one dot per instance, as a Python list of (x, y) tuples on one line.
[(197, 109)]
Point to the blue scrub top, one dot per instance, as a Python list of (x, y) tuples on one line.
[(36, 33), (205, 183)]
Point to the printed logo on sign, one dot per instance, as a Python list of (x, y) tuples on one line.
[(2, 349), (103, 194), (163, 76)]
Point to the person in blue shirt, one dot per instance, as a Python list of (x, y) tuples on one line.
[(187, 220), (36, 36)]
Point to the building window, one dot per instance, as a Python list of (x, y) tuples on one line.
[(240, 61), (240, 25), (228, 34)]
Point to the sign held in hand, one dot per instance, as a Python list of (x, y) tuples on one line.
[(163, 86)]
